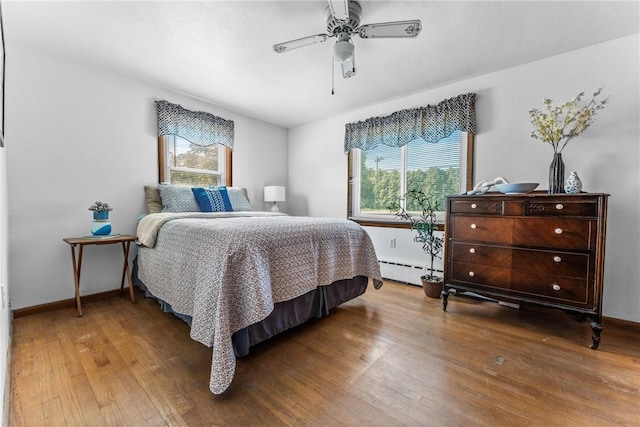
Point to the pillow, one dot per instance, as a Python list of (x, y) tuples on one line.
[(152, 199), (212, 199), (177, 199), (239, 200)]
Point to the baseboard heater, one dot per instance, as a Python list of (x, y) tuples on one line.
[(401, 272)]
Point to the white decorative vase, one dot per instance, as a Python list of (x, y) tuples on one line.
[(101, 227), (573, 184)]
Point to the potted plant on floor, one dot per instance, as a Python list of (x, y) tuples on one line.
[(425, 226)]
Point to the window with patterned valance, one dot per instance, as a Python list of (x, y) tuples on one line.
[(194, 146), (428, 148)]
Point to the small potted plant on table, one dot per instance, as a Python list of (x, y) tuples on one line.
[(101, 225), (425, 225)]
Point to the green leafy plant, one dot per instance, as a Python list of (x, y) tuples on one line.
[(557, 125), (424, 225)]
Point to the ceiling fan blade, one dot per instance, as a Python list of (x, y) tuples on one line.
[(391, 29), (295, 44), (349, 67), (339, 9)]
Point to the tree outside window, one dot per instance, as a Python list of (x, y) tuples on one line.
[(387, 173)]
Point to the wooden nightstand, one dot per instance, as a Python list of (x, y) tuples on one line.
[(81, 242)]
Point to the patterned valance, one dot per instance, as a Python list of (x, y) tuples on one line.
[(196, 127), (431, 123)]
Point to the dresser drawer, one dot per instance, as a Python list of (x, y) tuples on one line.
[(563, 207), (470, 253), (552, 288), (551, 262), (482, 229), (481, 275), (552, 233), (476, 206)]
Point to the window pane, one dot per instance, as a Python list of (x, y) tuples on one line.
[(434, 168), (184, 154), (191, 178), (380, 171)]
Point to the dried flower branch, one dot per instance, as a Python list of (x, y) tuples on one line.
[(560, 124)]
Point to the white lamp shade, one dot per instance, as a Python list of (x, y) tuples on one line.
[(274, 193)]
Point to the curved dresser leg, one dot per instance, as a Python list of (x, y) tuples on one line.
[(445, 299), (597, 328)]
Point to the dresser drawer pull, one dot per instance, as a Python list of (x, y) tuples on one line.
[(559, 206), (474, 226), (558, 230), (473, 206), (555, 287), (557, 258), (471, 274), (472, 250)]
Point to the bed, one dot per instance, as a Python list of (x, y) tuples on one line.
[(240, 277)]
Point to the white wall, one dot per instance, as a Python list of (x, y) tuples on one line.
[(606, 156), (5, 313), (80, 134)]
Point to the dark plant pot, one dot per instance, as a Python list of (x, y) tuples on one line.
[(432, 289), (101, 215)]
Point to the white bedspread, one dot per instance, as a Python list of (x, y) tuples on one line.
[(226, 273)]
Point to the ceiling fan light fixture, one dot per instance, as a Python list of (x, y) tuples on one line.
[(343, 50)]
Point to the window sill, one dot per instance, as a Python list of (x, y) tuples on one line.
[(381, 223), (367, 222)]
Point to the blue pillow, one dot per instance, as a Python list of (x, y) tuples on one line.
[(239, 201), (177, 198), (212, 200)]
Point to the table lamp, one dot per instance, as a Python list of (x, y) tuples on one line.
[(274, 193)]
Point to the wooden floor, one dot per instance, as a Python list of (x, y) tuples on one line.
[(390, 357)]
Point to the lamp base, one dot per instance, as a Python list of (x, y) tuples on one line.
[(275, 208)]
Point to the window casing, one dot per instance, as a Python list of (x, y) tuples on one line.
[(381, 176)]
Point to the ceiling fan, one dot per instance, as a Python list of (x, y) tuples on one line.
[(343, 21)]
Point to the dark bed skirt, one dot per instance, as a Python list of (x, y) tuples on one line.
[(289, 314), (286, 314)]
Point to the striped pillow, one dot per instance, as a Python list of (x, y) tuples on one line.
[(212, 200)]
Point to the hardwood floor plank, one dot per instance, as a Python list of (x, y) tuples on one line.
[(389, 357)]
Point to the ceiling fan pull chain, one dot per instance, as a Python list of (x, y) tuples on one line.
[(333, 74)]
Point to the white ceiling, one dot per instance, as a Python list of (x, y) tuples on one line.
[(221, 51)]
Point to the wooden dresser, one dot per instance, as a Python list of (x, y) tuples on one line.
[(531, 248)]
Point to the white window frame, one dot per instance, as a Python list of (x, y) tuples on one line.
[(466, 179), (164, 167)]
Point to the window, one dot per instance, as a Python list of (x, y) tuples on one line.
[(184, 163), (428, 149), (381, 176), (194, 147)]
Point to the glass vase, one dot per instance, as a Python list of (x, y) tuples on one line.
[(556, 174)]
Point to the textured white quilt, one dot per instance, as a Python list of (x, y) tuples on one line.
[(226, 273)]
